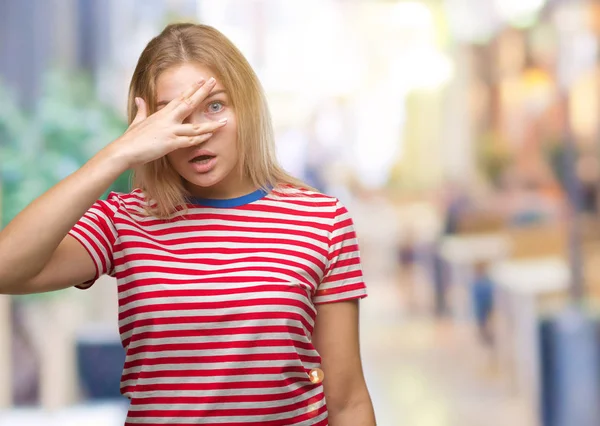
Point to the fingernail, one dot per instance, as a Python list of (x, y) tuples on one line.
[(223, 120), (211, 80), (200, 82)]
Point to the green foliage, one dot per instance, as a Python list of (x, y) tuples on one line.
[(65, 129), (493, 156)]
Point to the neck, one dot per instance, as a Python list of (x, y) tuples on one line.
[(223, 192)]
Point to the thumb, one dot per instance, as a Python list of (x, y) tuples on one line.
[(142, 111)]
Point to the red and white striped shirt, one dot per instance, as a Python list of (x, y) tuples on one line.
[(217, 303)]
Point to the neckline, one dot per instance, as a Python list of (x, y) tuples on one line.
[(229, 202)]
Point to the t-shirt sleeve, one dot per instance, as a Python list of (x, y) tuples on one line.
[(343, 278), (97, 233)]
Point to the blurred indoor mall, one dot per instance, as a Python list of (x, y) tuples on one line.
[(462, 135)]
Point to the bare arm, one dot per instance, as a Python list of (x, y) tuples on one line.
[(336, 339), (30, 240), (36, 254)]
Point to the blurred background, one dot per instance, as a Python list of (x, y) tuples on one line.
[(463, 135)]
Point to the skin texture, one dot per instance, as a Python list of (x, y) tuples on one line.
[(225, 179), (336, 338)]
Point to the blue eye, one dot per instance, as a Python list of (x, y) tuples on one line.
[(215, 107)]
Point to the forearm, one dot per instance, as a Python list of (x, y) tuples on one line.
[(354, 413), (29, 240)]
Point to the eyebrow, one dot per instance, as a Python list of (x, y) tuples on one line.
[(212, 94)]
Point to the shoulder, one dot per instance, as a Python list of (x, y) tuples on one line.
[(303, 196), (308, 202), (131, 202)]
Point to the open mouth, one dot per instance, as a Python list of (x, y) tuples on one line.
[(202, 159)]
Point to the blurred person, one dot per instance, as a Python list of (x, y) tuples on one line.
[(454, 205), (482, 296), (407, 260), (440, 280), (407, 251), (238, 287), (588, 173)]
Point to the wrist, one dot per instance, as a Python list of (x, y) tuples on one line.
[(115, 158)]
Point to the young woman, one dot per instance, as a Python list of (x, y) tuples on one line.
[(238, 288)]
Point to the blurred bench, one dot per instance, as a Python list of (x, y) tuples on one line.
[(525, 288), (534, 278)]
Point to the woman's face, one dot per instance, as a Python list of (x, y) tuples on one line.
[(210, 169)]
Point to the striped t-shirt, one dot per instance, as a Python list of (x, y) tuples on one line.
[(217, 303)]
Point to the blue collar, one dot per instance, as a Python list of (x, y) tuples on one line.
[(229, 202)]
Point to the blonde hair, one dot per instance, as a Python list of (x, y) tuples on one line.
[(184, 43)]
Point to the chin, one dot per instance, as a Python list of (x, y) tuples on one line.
[(204, 181)]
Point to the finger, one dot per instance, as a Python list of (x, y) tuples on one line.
[(186, 107), (187, 141), (142, 111), (185, 96), (198, 129)]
